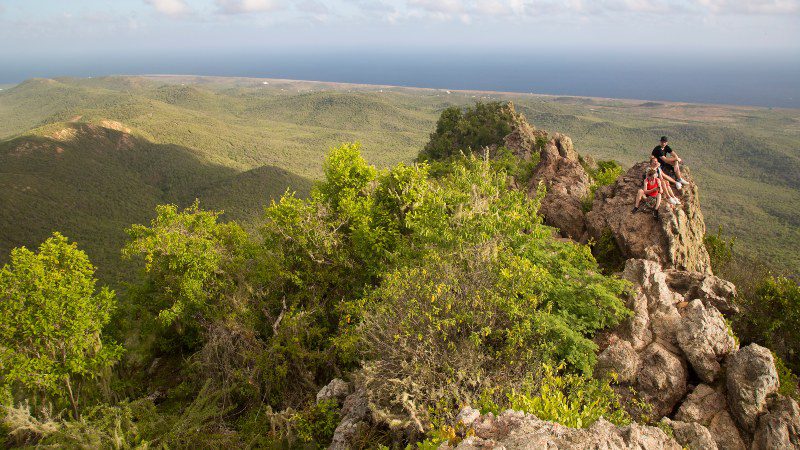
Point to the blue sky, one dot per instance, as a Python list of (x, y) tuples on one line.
[(54, 28)]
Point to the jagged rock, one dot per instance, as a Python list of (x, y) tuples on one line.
[(704, 338), (566, 182), (713, 291), (701, 405), (661, 380), (522, 139), (675, 240), (517, 430), (751, 377), (337, 389), (467, 416), (355, 415), (709, 407), (619, 358), (692, 435), (725, 432), (779, 428)]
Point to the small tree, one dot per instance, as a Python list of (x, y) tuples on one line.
[(51, 319)]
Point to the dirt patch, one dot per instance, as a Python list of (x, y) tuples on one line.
[(114, 125), (65, 134)]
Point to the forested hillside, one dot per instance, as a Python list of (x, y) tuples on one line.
[(744, 159)]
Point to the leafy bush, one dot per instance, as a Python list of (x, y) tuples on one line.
[(51, 321), (720, 249), (490, 296), (469, 130), (573, 400), (608, 254), (606, 173), (771, 317), (788, 380)]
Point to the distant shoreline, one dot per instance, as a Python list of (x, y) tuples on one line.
[(370, 86)]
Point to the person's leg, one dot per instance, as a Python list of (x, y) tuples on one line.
[(658, 204), (668, 178), (676, 167), (639, 196)]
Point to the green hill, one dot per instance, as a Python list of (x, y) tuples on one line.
[(92, 180), (745, 159)]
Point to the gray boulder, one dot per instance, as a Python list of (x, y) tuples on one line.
[(692, 435), (517, 430), (337, 389), (704, 338), (751, 378), (662, 378), (619, 358), (779, 428)]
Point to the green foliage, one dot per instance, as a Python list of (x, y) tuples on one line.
[(605, 174), (317, 423), (608, 254), (190, 258), (573, 400), (789, 382), (720, 249), (521, 170), (51, 321), (771, 317), (468, 130)]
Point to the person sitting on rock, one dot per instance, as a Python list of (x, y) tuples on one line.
[(670, 161), (665, 179), (651, 189)]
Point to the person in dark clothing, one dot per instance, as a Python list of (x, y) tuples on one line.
[(670, 161)]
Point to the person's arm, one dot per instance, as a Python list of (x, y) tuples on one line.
[(648, 191)]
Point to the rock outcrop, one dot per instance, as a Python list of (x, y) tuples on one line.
[(751, 378), (567, 184), (675, 240), (517, 430)]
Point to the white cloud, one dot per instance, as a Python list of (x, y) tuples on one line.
[(248, 6), (438, 6), (169, 7), (769, 7)]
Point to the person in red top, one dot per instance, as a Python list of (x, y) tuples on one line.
[(652, 189)]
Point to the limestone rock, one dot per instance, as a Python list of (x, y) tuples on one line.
[(566, 182), (355, 415), (692, 435), (779, 428), (516, 430), (725, 432), (701, 405), (675, 240), (662, 378), (619, 358), (337, 389), (751, 377), (713, 291), (704, 338)]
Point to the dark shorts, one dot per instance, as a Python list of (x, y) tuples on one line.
[(668, 170)]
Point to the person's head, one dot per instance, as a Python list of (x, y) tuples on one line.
[(653, 161), (663, 141), (651, 173)]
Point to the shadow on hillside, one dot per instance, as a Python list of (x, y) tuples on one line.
[(91, 182)]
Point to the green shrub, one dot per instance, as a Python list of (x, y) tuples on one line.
[(318, 422), (468, 130), (51, 321), (608, 254), (771, 317), (720, 249), (573, 400), (488, 295), (788, 380)]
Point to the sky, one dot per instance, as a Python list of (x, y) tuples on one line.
[(53, 27), (591, 47)]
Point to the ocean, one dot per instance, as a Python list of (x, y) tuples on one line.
[(738, 79)]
